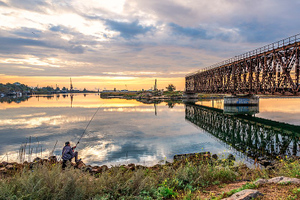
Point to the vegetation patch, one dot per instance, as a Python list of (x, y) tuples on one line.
[(188, 178)]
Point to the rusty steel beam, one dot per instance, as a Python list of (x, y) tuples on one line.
[(272, 69)]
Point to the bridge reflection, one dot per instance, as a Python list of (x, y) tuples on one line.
[(254, 137)]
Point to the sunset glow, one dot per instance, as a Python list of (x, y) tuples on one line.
[(110, 44)]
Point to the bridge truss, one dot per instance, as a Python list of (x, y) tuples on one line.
[(272, 69)]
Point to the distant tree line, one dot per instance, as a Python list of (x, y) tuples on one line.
[(10, 88), (14, 87)]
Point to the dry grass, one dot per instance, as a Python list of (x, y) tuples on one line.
[(186, 180)]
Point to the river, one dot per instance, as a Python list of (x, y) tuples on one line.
[(129, 131)]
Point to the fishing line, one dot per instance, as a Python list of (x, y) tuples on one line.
[(87, 126)]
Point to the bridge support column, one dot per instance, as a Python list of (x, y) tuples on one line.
[(187, 95), (247, 100)]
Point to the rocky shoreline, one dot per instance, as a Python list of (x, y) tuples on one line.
[(9, 168)]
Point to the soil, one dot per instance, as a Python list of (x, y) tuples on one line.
[(270, 191)]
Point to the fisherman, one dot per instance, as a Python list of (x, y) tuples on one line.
[(68, 153)]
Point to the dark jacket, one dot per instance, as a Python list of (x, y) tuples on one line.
[(67, 153)]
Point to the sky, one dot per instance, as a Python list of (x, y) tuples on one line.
[(127, 44)]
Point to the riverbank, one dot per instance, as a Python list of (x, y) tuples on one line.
[(197, 177), (175, 95), (157, 95)]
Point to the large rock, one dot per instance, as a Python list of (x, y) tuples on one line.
[(279, 180), (192, 156), (215, 156), (284, 180), (265, 163), (95, 170), (261, 181), (103, 168), (10, 167), (275, 180), (140, 167), (3, 170), (131, 166), (156, 167), (231, 157), (245, 195), (52, 159), (80, 165), (37, 160)]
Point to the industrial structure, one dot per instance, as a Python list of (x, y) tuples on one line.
[(272, 69)]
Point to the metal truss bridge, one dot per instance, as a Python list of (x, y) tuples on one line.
[(272, 69), (250, 136)]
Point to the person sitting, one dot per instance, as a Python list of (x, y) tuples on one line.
[(68, 153)]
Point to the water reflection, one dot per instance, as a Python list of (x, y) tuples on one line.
[(125, 131), (15, 99), (241, 110), (255, 137)]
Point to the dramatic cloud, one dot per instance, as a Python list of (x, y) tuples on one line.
[(128, 30), (133, 38), (2, 3), (196, 33)]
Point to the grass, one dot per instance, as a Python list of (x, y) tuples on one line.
[(180, 181)]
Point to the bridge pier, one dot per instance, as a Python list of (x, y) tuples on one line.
[(237, 100), (237, 104), (190, 95)]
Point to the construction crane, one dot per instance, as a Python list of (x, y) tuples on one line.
[(71, 86)]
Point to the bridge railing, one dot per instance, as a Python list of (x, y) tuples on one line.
[(266, 48)]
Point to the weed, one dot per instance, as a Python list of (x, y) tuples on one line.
[(164, 191), (216, 182), (290, 168)]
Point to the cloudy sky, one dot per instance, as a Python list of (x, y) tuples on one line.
[(129, 43)]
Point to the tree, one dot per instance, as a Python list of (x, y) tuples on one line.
[(171, 88)]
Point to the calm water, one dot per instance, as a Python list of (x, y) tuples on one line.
[(128, 131)]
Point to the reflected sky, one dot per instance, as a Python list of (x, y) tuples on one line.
[(283, 109), (123, 131)]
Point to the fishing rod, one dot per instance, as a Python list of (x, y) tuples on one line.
[(87, 126)]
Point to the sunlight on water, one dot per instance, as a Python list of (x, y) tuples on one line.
[(123, 131)]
